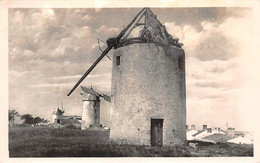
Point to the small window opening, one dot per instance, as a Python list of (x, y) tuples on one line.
[(180, 64), (117, 60)]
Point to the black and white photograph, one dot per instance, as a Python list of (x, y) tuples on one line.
[(167, 81)]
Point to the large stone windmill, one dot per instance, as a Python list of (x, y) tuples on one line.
[(148, 91)]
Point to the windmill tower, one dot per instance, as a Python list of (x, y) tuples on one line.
[(91, 107), (57, 114), (148, 90)]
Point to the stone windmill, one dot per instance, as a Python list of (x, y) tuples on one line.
[(57, 114), (148, 90), (91, 108)]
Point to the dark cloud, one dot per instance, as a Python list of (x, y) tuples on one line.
[(195, 15), (75, 17), (54, 33)]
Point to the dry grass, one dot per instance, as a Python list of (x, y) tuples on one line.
[(49, 142), (43, 141)]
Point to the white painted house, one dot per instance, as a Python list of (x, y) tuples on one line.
[(241, 140)]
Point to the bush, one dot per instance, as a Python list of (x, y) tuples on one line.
[(71, 127)]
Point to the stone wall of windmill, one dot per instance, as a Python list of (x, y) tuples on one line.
[(148, 82), (57, 114), (91, 108), (90, 112)]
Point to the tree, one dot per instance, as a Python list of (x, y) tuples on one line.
[(12, 114), (28, 118), (37, 120)]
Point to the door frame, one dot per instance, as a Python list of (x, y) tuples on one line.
[(153, 122)]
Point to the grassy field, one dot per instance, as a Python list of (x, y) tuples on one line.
[(49, 142)]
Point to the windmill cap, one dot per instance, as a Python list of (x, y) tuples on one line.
[(89, 97), (89, 91)]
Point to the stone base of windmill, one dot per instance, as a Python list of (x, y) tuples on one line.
[(145, 142)]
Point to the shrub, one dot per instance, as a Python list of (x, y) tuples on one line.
[(71, 127)]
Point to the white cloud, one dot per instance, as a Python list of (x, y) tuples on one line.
[(16, 74), (86, 18), (83, 32), (78, 76), (107, 31), (53, 85), (28, 53), (18, 17), (218, 59), (94, 46)]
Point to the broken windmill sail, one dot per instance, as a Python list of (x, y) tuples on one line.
[(152, 31)]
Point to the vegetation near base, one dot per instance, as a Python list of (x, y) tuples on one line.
[(49, 142)]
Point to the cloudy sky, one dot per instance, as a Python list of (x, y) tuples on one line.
[(49, 50)]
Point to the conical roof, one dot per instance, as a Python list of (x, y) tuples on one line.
[(91, 91), (147, 28)]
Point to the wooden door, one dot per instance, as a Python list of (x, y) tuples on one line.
[(156, 132)]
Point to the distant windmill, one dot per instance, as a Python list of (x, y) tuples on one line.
[(91, 107), (148, 85), (57, 114)]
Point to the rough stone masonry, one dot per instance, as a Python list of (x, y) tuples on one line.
[(148, 85)]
